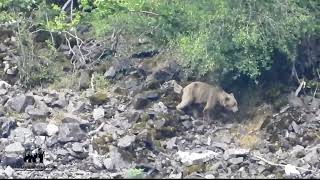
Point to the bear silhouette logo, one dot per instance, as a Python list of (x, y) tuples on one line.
[(31, 157)]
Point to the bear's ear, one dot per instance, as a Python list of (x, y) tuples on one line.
[(231, 94)]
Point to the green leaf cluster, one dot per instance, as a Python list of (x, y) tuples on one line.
[(223, 36)]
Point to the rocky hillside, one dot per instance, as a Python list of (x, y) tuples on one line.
[(131, 128)]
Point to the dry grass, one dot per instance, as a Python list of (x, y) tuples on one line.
[(56, 118), (248, 134), (69, 81)]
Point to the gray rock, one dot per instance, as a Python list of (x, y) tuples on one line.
[(230, 153), (185, 117), (108, 164), (140, 102), (220, 145), (76, 107), (6, 125), (216, 166), (62, 152), (160, 75), (158, 124), (296, 128), (13, 160), (292, 136), (298, 151), (160, 107), (70, 118), (98, 113), (51, 141), (3, 92), (77, 147), (70, 132), (16, 148), (172, 143), (3, 48), (22, 135), (126, 141), (151, 95), (312, 157), (282, 155), (50, 98), (133, 84), (187, 124), (110, 128), (39, 128), (236, 160), (39, 141), (36, 113), (20, 102), (110, 73), (60, 103), (97, 163), (117, 159)]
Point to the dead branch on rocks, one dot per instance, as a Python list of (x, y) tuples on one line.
[(96, 130), (280, 165)]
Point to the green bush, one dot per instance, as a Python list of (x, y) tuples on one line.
[(238, 37), (221, 35), (134, 173)]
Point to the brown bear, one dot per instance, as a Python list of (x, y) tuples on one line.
[(203, 93)]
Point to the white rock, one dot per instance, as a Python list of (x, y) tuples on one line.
[(52, 129), (108, 164), (9, 171), (291, 170), (126, 141), (229, 153), (97, 162), (209, 176), (190, 158), (14, 148), (160, 107), (98, 113), (175, 176)]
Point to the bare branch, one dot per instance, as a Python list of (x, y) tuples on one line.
[(280, 165), (66, 4), (49, 31), (148, 13), (97, 130)]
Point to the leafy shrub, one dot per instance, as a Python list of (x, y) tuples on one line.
[(134, 173), (223, 36), (100, 82)]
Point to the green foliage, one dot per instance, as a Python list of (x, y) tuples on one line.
[(242, 35), (59, 20), (19, 5), (39, 76), (221, 35), (101, 83), (134, 173), (224, 36)]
